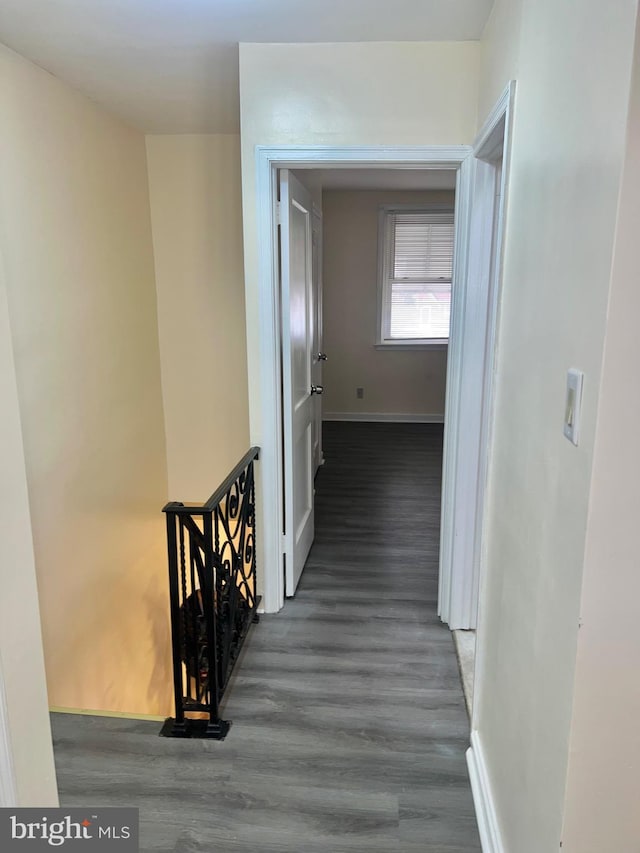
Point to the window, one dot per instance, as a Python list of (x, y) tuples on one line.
[(416, 261)]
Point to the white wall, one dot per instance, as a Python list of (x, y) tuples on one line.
[(573, 68), (394, 381), (358, 93), (604, 765), (195, 192), (22, 676), (76, 237), (500, 50)]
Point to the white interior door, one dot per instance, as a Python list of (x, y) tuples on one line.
[(299, 399), (318, 354)]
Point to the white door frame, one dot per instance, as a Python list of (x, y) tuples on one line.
[(467, 458), (265, 411)]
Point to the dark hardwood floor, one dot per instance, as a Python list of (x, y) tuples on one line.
[(349, 725)]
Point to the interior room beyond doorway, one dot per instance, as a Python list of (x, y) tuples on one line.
[(364, 379)]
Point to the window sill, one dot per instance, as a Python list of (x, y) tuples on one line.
[(411, 345)]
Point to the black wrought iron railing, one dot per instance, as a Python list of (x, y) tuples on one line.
[(212, 586)]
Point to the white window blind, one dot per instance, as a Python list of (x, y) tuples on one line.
[(416, 287)]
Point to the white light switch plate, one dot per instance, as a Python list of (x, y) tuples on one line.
[(573, 405)]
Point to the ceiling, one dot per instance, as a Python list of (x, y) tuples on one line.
[(378, 179), (171, 66)]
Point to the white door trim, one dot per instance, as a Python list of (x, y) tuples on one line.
[(502, 113), (8, 794), (265, 411), (454, 436), (467, 449)]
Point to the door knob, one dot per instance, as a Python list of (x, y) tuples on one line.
[(322, 356), (317, 389)]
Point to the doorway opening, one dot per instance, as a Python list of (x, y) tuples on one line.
[(381, 245), (267, 408)]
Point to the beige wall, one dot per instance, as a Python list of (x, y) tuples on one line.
[(568, 143), (196, 213), (604, 766), (22, 677), (75, 232), (409, 382)]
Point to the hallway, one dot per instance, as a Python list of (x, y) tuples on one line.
[(349, 725)]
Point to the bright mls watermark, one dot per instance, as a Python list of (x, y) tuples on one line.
[(105, 830)]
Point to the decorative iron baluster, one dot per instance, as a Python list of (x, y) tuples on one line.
[(195, 612), (212, 585), (178, 726)]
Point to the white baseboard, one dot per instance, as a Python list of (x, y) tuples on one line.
[(119, 715), (483, 800), (384, 417)]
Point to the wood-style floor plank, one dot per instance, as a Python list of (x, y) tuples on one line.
[(349, 725)]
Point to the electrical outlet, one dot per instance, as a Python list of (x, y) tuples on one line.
[(360, 393)]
